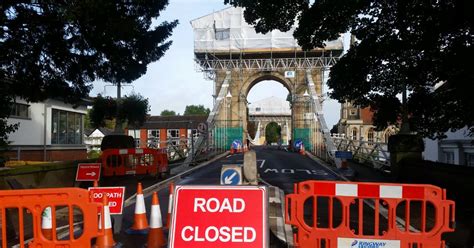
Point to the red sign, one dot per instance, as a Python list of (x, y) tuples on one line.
[(88, 172), (114, 194), (219, 216)]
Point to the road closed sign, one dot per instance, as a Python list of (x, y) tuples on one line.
[(219, 216)]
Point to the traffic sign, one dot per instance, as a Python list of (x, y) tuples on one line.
[(88, 172), (114, 194), (231, 174), (343, 154), (237, 144), (219, 216), (289, 74), (202, 127), (298, 143)]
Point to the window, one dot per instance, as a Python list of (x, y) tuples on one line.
[(354, 134), (469, 159), (154, 138), (222, 33), (173, 136), (20, 110), (449, 157), (258, 109), (135, 133), (370, 135), (66, 127)]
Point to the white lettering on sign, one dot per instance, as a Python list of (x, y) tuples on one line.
[(213, 205), (109, 195), (295, 171), (235, 234)]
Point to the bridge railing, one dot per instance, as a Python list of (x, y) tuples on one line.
[(368, 152)]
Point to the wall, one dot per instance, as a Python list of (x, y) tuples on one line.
[(30, 131)]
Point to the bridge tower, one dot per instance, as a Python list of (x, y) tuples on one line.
[(230, 52)]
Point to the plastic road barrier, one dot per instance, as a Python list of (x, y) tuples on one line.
[(343, 214), (65, 206), (133, 161)]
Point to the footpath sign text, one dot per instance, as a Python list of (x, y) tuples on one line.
[(88, 172), (219, 216), (115, 196)]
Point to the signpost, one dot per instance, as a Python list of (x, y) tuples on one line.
[(88, 172), (343, 154), (231, 174), (219, 216), (115, 195)]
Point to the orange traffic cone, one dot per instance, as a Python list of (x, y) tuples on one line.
[(156, 238), (47, 224), (246, 149), (106, 240), (231, 150), (170, 206), (96, 183), (140, 224), (302, 150)]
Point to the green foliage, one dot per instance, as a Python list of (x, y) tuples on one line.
[(168, 113), (272, 132), (56, 49), (401, 45), (103, 108), (93, 154), (133, 109), (196, 110)]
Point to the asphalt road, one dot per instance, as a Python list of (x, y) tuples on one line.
[(277, 167)]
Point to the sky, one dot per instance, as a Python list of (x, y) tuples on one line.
[(173, 82)]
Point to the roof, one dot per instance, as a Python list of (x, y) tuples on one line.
[(103, 130), (174, 122)]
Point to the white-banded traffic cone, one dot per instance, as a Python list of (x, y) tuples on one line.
[(140, 223), (106, 240), (96, 183), (47, 223), (170, 206), (302, 150), (156, 237)]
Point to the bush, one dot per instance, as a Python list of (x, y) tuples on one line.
[(93, 154)]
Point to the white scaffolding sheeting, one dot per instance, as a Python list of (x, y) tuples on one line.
[(227, 31)]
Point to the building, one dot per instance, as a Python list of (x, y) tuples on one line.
[(48, 131), (93, 138), (270, 110), (456, 148), (356, 124), (161, 131)]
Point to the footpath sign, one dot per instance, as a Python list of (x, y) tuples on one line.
[(231, 174), (219, 216), (88, 172), (115, 195)]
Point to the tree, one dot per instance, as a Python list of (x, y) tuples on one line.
[(56, 49), (272, 132), (168, 113), (402, 46), (196, 110), (133, 110)]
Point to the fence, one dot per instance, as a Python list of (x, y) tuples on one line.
[(339, 214), (373, 153)]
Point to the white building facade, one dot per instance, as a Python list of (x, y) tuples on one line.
[(48, 131)]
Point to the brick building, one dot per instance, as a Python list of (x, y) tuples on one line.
[(159, 131)]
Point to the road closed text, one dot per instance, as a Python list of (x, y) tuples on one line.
[(223, 233), (219, 216)]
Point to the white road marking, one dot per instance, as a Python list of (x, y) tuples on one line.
[(263, 162)]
